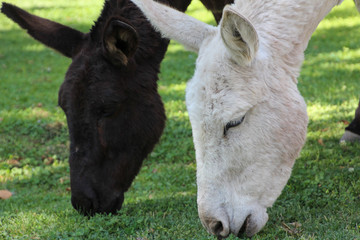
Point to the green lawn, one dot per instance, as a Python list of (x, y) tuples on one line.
[(320, 201)]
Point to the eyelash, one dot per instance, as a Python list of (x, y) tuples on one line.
[(233, 124)]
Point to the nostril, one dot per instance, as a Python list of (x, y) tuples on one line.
[(218, 229), (113, 205), (243, 227)]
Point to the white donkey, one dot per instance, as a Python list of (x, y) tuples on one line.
[(248, 118)]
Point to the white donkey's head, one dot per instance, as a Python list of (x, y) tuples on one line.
[(248, 118)]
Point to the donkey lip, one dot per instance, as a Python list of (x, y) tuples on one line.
[(113, 207), (83, 206)]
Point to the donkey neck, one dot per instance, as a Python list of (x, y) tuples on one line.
[(285, 27)]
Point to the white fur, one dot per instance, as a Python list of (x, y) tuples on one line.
[(242, 173), (357, 4), (190, 34)]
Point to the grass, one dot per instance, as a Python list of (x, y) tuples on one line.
[(320, 201)]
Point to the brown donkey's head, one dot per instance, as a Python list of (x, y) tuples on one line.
[(115, 115)]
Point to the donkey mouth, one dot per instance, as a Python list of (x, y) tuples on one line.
[(84, 206), (90, 206), (113, 206)]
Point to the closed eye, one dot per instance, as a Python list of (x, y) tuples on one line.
[(108, 109), (106, 112), (233, 124)]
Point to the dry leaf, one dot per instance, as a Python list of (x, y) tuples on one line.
[(321, 142), (5, 194), (64, 179), (49, 161), (296, 224), (345, 122), (293, 229), (325, 129), (14, 162)]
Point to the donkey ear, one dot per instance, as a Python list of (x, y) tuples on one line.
[(120, 41), (54, 35), (239, 36)]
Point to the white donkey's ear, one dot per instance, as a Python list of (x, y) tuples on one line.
[(239, 36), (176, 25)]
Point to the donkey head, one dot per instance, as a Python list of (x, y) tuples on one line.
[(114, 113), (248, 120)]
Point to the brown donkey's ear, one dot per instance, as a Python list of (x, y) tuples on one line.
[(64, 39), (120, 41)]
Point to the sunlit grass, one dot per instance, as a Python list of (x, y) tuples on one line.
[(197, 11)]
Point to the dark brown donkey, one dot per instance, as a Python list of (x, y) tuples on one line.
[(114, 113), (352, 132)]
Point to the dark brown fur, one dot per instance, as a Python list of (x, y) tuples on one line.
[(354, 126), (115, 115), (216, 7)]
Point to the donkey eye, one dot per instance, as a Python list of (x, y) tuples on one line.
[(233, 124), (106, 112)]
